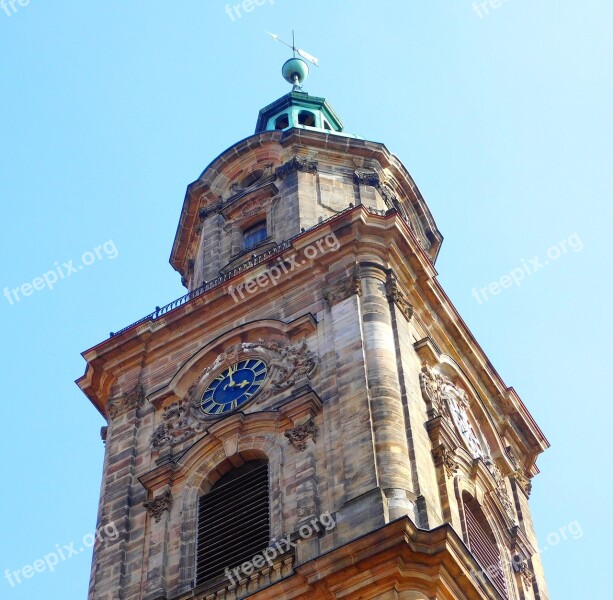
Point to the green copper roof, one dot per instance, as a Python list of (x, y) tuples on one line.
[(298, 109)]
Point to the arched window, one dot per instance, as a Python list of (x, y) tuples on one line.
[(255, 234), (233, 520), (306, 117), (282, 122), (482, 544)]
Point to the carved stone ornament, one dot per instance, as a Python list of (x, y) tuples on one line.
[(341, 290), (296, 164), (157, 506), (287, 364), (431, 384), (449, 400), (398, 297), (445, 398), (522, 481), (512, 457), (521, 566), (501, 489), (128, 401), (211, 209), (299, 435), (366, 177), (444, 458)]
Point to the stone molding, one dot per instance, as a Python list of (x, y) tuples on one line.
[(296, 164), (299, 434), (156, 506), (287, 364), (128, 401)]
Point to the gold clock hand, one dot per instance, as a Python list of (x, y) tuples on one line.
[(243, 383), (230, 372)]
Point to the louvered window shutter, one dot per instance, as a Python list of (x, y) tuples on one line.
[(233, 520), (485, 550)]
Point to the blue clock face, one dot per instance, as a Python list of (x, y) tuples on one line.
[(234, 386)]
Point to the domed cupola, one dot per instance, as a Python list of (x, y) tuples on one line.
[(298, 109)]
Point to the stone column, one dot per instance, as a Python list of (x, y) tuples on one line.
[(388, 422)]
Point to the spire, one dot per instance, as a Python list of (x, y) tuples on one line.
[(295, 70)]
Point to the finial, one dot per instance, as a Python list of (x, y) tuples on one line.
[(295, 70)]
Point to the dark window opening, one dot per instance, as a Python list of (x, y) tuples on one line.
[(282, 122), (306, 117), (327, 125), (233, 520), (251, 178), (254, 235)]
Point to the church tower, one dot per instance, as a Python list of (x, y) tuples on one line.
[(313, 419)]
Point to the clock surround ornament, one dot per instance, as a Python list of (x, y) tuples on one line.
[(286, 364)]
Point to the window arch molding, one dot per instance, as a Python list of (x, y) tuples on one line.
[(207, 464), (494, 529)]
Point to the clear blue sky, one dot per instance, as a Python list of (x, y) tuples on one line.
[(109, 109)]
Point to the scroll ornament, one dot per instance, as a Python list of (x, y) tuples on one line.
[(287, 364)]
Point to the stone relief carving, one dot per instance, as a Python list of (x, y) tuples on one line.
[(450, 401), (341, 290), (396, 295), (518, 474), (211, 209), (431, 384), (297, 164), (157, 506), (365, 177), (522, 481), (501, 488), (129, 400), (444, 458), (299, 434), (287, 364), (249, 209), (521, 566)]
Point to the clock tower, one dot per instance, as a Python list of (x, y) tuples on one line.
[(312, 419)]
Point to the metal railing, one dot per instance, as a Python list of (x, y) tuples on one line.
[(252, 262)]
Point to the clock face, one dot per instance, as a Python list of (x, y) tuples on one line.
[(466, 429), (234, 386)]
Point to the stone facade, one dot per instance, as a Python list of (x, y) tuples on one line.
[(379, 406)]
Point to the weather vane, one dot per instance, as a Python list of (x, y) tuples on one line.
[(295, 70)]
